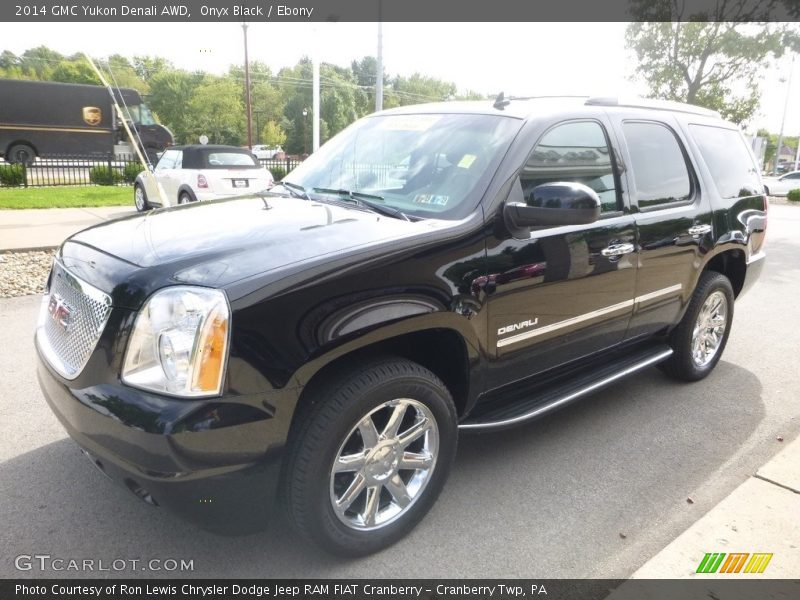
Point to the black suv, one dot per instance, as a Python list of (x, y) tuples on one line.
[(435, 268)]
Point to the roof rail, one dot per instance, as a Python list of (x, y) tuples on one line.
[(652, 104)]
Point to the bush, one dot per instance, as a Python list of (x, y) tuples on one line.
[(278, 173), (130, 172), (793, 195), (104, 176), (12, 175)]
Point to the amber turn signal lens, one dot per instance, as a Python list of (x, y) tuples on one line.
[(210, 358)]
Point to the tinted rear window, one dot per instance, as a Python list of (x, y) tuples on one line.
[(731, 166)]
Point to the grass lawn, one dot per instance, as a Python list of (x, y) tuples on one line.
[(65, 197)]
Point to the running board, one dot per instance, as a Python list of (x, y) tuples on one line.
[(526, 409)]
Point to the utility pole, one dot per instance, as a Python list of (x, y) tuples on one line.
[(797, 156), (315, 103), (783, 120), (379, 65), (247, 91), (305, 132)]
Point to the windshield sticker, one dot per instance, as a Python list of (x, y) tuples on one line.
[(437, 199), (410, 122), (466, 161)]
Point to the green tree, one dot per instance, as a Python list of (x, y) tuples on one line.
[(420, 88), (39, 63), (713, 64), (8, 60), (120, 71), (273, 134), (217, 110), (170, 94), (70, 71), (772, 144), (147, 67)]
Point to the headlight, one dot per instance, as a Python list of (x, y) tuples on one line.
[(179, 343)]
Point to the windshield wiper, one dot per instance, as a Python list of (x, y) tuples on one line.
[(298, 191), (370, 201)]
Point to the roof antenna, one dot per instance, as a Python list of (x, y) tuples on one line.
[(500, 102)]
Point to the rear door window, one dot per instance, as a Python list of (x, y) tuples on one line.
[(660, 173), (727, 158)]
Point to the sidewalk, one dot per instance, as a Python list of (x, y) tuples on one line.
[(760, 516), (48, 227)]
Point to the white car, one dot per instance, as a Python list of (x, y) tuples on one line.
[(200, 172), (780, 186), (262, 151)]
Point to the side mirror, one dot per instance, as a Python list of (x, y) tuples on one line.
[(558, 203)]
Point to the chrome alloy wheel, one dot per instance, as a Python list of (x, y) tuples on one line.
[(709, 329), (384, 464), (138, 197)]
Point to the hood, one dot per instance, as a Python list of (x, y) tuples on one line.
[(220, 242)]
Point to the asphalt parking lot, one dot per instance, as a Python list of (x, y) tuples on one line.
[(591, 491)]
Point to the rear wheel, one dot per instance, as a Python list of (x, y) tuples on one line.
[(140, 198), (700, 338), (21, 153), (370, 457), (185, 198)]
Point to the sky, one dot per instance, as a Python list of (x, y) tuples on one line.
[(517, 58)]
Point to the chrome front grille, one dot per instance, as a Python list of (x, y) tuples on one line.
[(72, 318)]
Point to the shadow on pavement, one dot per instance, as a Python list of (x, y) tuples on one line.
[(538, 500)]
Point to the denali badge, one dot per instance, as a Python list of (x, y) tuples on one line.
[(518, 326), (59, 311)]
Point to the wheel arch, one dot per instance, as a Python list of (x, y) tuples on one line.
[(732, 263), (443, 350), (186, 188)]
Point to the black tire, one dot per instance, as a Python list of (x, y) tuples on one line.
[(766, 190), (22, 154), (140, 198), (330, 421), (185, 198), (683, 363)]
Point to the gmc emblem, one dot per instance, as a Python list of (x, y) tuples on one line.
[(59, 311)]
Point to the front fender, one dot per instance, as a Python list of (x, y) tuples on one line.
[(446, 321)]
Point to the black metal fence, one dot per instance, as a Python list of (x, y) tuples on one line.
[(81, 170), (280, 167)]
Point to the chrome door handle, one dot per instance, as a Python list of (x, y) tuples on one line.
[(617, 249), (699, 230)]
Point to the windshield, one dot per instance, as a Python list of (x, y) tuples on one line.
[(141, 114), (426, 165)]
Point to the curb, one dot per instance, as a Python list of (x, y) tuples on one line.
[(30, 249), (759, 515)]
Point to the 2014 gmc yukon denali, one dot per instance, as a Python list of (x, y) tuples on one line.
[(435, 268)]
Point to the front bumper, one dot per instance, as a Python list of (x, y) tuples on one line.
[(214, 461)]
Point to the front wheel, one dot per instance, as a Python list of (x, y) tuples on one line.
[(700, 337), (140, 198), (370, 456)]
